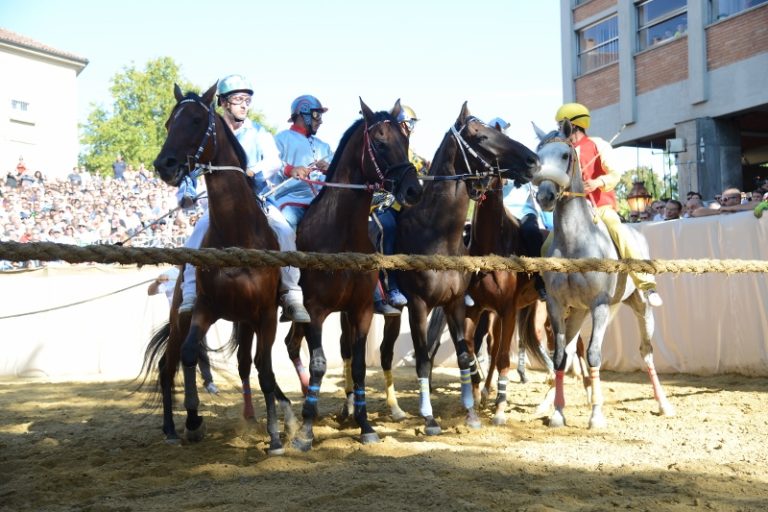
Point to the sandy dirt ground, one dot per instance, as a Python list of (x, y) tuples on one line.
[(92, 446)]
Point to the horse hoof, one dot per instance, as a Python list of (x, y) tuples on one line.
[(398, 414), (484, 397), (597, 423), (303, 445), (369, 438), (667, 409), (173, 441), (473, 421), (499, 420), (432, 428), (195, 435), (557, 420), (276, 450)]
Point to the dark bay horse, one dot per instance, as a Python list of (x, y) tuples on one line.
[(372, 154), (435, 225), (573, 296), (200, 141)]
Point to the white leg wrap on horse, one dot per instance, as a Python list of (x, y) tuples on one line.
[(425, 406), (467, 399)]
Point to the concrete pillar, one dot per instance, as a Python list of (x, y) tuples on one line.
[(712, 160)]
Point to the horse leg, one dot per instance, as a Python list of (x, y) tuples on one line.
[(560, 328), (345, 346), (359, 331), (471, 322), (317, 367), (194, 425), (645, 321), (265, 338), (417, 318), (293, 344), (601, 315), (387, 350), (167, 368), (244, 336), (467, 365), (507, 320)]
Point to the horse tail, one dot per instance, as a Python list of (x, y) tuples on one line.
[(154, 357), (533, 340), (437, 323)]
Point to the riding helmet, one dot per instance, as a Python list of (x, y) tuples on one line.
[(576, 113), (304, 105), (234, 83)]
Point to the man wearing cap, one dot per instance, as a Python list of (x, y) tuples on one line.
[(600, 177), (303, 156)]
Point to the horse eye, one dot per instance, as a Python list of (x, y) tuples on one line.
[(565, 156)]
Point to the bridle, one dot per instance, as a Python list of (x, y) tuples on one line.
[(573, 165), (370, 150), (194, 167), (465, 148)]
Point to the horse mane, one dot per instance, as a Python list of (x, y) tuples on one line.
[(377, 117), (550, 135)]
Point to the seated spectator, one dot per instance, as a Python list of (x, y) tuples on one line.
[(729, 201), (692, 204), (672, 209), (657, 210)]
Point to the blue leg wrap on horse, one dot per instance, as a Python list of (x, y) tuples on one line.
[(425, 406), (191, 400), (466, 389), (359, 398), (312, 393)]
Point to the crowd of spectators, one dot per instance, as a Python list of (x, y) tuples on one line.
[(730, 201), (84, 209)]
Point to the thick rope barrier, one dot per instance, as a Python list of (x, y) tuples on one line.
[(238, 257)]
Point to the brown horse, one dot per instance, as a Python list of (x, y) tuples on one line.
[(199, 141), (435, 226), (496, 231), (373, 153)]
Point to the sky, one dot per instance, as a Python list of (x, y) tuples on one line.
[(501, 56)]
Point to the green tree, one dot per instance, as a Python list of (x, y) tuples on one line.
[(135, 125)]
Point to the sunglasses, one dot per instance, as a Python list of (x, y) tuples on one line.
[(316, 115), (239, 100)]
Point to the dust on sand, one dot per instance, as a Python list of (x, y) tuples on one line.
[(92, 446)]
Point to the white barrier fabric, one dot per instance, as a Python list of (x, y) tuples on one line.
[(711, 323)]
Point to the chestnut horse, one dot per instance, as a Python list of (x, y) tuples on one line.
[(372, 154), (200, 142)]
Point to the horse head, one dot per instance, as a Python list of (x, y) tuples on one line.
[(191, 127), (556, 177), (387, 148), (486, 150)]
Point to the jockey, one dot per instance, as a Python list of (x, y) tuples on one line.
[(263, 161), (600, 177), (303, 155), (384, 213)]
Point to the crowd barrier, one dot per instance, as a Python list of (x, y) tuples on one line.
[(710, 323)]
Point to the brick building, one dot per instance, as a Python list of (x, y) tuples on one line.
[(38, 105), (685, 76)]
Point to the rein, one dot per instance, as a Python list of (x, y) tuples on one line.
[(210, 131)]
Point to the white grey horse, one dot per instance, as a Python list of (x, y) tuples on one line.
[(572, 296)]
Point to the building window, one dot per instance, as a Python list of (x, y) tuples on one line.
[(724, 8), (19, 106), (598, 45), (660, 20)]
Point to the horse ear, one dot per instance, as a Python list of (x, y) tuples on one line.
[(396, 109), (566, 127), (463, 115), (539, 132), (208, 96), (177, 92), (367, 112)]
